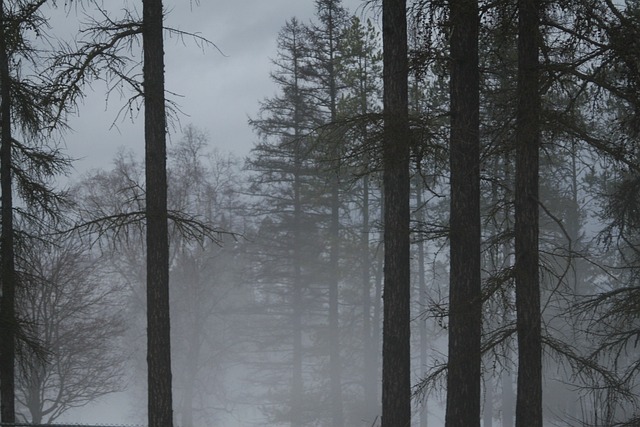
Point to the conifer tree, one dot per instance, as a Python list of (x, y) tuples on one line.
[(160, 402), (323, 72), (283, 174), (7, 262), (396, 382), (361, 73), (465, 299), (529, 395), (27, 163)]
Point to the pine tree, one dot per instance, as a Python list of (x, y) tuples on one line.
[(160, 402), (529, 396), (323, 68), (7, 269), (284, 175), (465, 299), (396, 383), (359, 103), (27, 163)]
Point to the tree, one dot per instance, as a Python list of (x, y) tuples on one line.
[(285, 177), (207, 280), (396, 382), (7, 262), (74, 312), (108, 56), (529, 395), (323, 71), (26, 165), (465, 298), (160, 404), (207, 292), (361, 73)]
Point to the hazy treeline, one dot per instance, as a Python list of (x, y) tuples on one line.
[(276, 260)]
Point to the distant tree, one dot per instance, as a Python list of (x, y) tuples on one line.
[(465, 297), (359, 104), (283, 175), (74, 311), (396, 382), (326, 40), (206, 275), (207, 279)]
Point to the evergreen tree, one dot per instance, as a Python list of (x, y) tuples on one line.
[(358, 106), (27, 164), (283, 173), (7, 271), (465, 299), (160, 402), (323, 71), (396, 382), (527, 264)]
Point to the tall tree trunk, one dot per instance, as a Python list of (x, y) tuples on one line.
[(396, 382), (8, 323), (297, 385), (422, 297), (160, 404), (465, 303), (529, 388), (335, 370)]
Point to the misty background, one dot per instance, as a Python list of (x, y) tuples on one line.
[(280, 152)]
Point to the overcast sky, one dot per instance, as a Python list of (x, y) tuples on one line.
[(217, 93)]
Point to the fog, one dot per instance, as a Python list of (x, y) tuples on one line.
[(276, 230)]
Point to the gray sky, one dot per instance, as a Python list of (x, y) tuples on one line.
[(218, 92)]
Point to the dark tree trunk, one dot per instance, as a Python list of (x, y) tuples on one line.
[(465, 303), (158, 324), (8, 323), (529, 388), (396, 383)]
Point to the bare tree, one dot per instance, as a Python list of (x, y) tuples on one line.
[(74, 314)]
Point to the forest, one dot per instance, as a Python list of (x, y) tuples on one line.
[(438, 223)]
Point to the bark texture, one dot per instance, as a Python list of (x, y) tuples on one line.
[(465, 304), (160, 405), (396, 387)]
